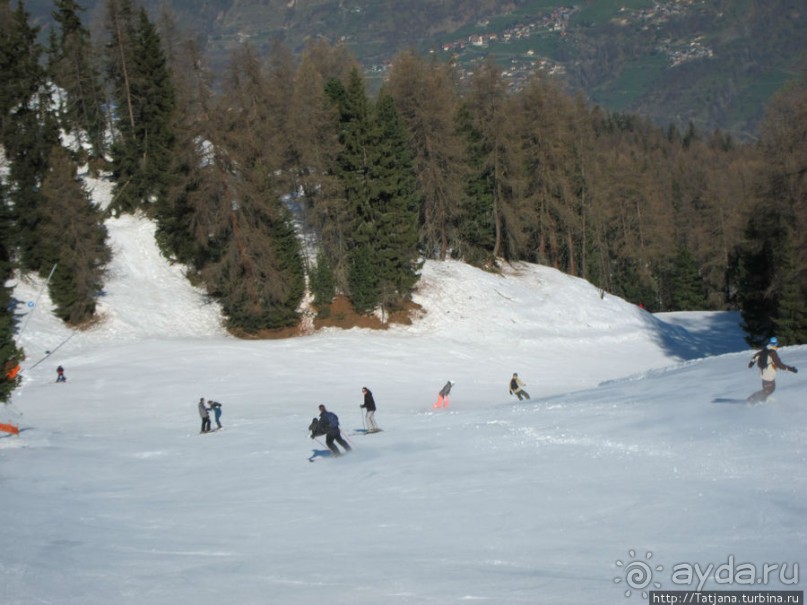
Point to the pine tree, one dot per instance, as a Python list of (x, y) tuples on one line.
[(71, 68), (396, 203), (28, 131), (353, 165), (74, 240), (143, 91), (773, 258), (687, 292), (490, 221), (10, 354), (427, 101), (791, 316), (321, 281)]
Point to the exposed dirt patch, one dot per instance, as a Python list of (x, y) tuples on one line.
[(339, 314)]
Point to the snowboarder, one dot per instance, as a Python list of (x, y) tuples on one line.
[(216, 407), (329, 426), (60, 377), (442, 396), (768, 361), (204, 412), (369, 406), (517, 387)]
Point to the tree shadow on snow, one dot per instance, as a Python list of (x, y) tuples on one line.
[(699, 336)]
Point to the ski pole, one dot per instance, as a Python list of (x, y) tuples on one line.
[(363, 425)]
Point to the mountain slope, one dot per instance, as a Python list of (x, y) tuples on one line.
[(710, 62), (110, 495)]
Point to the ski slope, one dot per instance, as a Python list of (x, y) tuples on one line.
[(111, 496)]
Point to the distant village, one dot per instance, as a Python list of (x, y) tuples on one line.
[(556, 22)]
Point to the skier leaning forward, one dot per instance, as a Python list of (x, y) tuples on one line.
[(768, 361), (329, 424)]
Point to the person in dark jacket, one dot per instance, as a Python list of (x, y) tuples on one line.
[(216, 407), (369, 407), (329, 424), (768, 361), (204, 412), (60, 377), (442, 396)]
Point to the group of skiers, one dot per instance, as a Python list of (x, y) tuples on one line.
[(767, 360)]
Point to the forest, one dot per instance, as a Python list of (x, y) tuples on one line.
[(430, 167)]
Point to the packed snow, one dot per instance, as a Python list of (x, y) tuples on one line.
[(620, 461)]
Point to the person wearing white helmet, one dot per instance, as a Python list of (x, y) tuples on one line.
[(768, 361)]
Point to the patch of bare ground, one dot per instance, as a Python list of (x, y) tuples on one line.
[(339, 314)]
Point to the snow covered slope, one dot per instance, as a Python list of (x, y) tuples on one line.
[(111, 496)]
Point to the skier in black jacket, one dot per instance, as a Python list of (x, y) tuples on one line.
[(329, 426), (369, 406)]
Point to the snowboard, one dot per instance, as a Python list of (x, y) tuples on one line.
[(367, 431)]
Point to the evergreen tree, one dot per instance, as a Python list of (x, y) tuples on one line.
[(144, 95), (71, 68), (198, 180), (28, 131), (791, 317), (375, 168), (322, 283), (396, 205), (10, 354), (353, 165), (491, 204), (74, 240), (773, 258), (687, 291), (427, 101), (477, 229)]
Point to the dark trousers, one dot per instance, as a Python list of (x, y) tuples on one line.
[(768, 387), (217, 412), (336, 435), (206, 424)]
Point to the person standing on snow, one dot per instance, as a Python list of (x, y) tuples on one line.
[(442, 396), (517, 387), (768, 361), (216, 407), (60, 377), (369, 406), (329, 423), (204, 412)]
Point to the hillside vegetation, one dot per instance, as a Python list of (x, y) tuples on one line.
[(712, 62)]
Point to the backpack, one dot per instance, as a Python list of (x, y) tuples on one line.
[(762, 359), (332, 420), (513, 385)]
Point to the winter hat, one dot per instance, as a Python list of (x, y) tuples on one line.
[(774, 342)]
